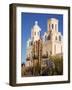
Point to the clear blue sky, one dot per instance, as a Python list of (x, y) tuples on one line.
[(27, 22)]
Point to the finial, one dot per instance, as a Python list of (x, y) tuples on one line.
[(36, 22)]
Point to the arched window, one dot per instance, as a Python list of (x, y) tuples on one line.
[(52, 26), (56, 38), (49, 37), (49, 26), (55, 26), (45, 38), (38, 33), (59, 38), (47, 53), (54, 49), (31, 43), (35, 33)]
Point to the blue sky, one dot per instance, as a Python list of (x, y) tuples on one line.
[(27, 22)]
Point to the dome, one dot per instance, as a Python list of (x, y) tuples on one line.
[(36, 26), (53, 20)]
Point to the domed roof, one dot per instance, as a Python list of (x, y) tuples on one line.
[(53, 20), (36, 26)]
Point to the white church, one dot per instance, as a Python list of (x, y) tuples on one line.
[(51, 41)]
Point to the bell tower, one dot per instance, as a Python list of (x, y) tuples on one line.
[(52, 24), (35, 34)]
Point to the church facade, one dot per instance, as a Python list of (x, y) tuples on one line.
[(50, 44)]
